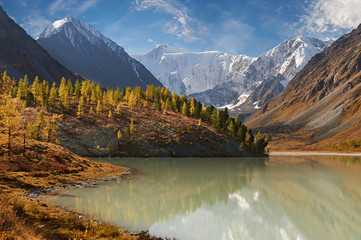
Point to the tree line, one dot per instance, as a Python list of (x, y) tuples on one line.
[(91, 98)]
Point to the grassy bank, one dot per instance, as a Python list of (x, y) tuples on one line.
[(44, 166)]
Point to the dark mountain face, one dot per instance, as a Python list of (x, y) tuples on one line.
[(20, 54), (324, 98), (84, 50)]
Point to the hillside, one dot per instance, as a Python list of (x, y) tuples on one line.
[(47, 166), (156, 135), (20, 55), (320, 107)]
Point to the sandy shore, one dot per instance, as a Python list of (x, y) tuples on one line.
[(312, 154)]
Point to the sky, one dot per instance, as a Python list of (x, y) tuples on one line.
[(249, 27)]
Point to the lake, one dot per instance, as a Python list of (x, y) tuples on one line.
[(309, 197)]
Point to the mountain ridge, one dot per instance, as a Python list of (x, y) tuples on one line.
[(287, 58), (20, 54), (228, 79), (82, 48)]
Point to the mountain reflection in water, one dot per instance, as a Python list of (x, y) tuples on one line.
[(230, 198)]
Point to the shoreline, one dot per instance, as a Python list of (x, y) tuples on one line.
[(287, 153), (38, 193)]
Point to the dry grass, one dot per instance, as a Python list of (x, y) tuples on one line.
[(45, 166)]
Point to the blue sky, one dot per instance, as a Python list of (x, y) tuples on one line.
[(249, 27)]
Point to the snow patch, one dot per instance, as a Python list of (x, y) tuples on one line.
[(60, 23)]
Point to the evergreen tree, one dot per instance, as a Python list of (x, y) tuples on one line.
[(185, 109), (119, 135), (81, 112), (232, 128), (10, 119), (62, 90), (110, 115), (6, 83), (36, 89), (51, 128), (99, 107), (214, 117), (131, 129), (39, 125), (192, 108), (77, 91), (70, 88), (66, 101), (175, 102), (21, 93), (53, 94)]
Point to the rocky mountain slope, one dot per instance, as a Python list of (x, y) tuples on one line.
[(20, 54), (192, 72), (322, 104), (284, 60), (84, 50)]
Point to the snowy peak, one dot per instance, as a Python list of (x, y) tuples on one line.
[(73, 27), (167, 48)]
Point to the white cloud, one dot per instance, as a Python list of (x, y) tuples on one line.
[(182, 25), (331, 16), (86, 5), (35, 24), (233, 36), (71, 6), (152, 41)]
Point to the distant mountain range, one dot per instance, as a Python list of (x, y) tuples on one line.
[(192, 72), (20, 54), (83, 49), (322, 103), (222, 79)]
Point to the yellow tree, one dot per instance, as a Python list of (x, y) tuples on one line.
[(131, 129), (119, 135), (193, 107), (24, 125), (132, 99), (51, 127), (62, 89), (10, 118), (6, 83), (53, 93), (80, 113), (99, 107)]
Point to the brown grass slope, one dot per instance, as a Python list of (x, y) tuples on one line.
[(321, 105), (45, 166), (156, 134)]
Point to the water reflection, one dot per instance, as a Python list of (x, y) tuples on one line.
[(214, 198)]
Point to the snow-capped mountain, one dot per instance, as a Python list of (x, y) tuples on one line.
[(285, 60), (84, 50), (192, 72)]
